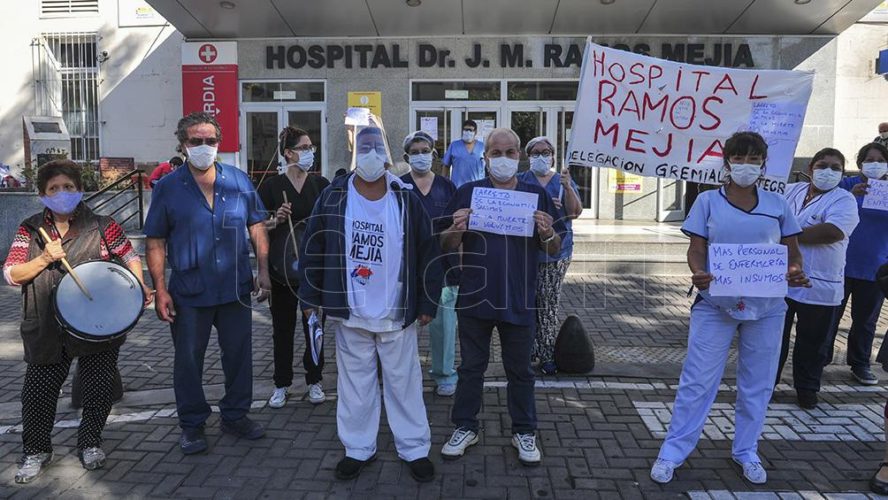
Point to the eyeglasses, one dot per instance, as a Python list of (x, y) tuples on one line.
[(302, 149), (197, 141), (544, 154)]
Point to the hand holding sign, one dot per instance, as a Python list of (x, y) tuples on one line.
[(756, 270), (543, 223), (503, 211), (876, 195)]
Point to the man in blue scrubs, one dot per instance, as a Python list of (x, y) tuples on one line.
[(200, 218), (497, 289), (463, 162)]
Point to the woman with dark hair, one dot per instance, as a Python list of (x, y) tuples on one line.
[(292, 196), (78, 235), (737, 213), (828, 215), (867, 250)]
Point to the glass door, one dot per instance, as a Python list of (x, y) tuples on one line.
[(312, 122), (527, 124), (487, 120), (670, 200), (261, 134), (435, 122)]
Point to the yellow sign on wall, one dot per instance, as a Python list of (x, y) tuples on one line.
[(369, 100), (622, 182)]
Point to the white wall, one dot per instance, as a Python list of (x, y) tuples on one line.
[(140, 91), (861, 95)]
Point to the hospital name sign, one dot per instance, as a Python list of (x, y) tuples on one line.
[(504, 55)]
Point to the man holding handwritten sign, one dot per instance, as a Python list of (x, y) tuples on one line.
[(501, 223)]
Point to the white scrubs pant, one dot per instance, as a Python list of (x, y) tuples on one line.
[(709, 342), (358, 406)]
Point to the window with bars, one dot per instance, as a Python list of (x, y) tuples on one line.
[(59, 8), (66, 77)]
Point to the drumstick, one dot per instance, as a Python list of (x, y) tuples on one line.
[(68, 267), (292, 231)]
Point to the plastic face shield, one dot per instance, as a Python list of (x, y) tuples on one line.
[(371, 137)]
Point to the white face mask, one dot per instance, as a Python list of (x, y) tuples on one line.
[(202, 157), (745, 174), (468, 136), (874, 169), (540, 166), (421, 162), (883, 135), (502, 168), (306, 160), (825, 179), (370, 166)]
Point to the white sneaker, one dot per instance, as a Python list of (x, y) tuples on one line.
[(754, 472), (663, 470), (30, 466), (279, 397), (459, 441), (446, 390), (528, 453), (316, 394)]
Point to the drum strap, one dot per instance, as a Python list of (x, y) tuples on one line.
[(111, 255)]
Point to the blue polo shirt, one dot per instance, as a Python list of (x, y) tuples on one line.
[(464, 166), (554, 188), (435, 203), (208, 249), (499, 273), (868, 244)]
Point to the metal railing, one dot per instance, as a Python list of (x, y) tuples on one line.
[(127, 183)]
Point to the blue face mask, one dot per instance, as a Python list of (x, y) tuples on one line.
[(63, 202)]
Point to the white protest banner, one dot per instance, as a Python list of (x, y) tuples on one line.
[(876, 195), (757, 270), (658, 118), (503, 211)]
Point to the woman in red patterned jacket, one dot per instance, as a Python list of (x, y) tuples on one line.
[(78, 235)]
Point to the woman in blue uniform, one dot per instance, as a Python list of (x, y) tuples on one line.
[(739, 212)]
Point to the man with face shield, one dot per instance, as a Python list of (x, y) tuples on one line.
[(497, 289), (435, 191), (369, 259)]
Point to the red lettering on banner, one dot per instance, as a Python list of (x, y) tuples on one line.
[(752, 95), (663, 154), (711, 151), (602, 99), (700, 73), (646, 105), (651, 76), (630, 138), (726, 83), (598, 62), (690, 148), (709, 112), (610, 71), (599, 127), (637, 74), (630, 101), (672, 117)]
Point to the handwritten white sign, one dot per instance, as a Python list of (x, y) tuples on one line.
[(503, 211), (657, 118), (876, 195), (748, 270)]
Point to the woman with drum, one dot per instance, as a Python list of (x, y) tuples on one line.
[(292, 197), (76, 236)]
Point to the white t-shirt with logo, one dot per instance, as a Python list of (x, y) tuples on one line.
[(824, 264), (374, 244)]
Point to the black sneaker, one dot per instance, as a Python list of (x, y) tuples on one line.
[(806, 399), (864, 375), (193, 440), (243, 428), (422, 469), (350, 468)]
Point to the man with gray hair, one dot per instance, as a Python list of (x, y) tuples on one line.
[(882, 138), (199, 220), (497, 289)]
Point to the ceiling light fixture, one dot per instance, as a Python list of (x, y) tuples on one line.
[(607, 2), (414, 3), (227, 5), (802, 2)]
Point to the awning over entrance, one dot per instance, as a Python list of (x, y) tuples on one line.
[(198, 19)]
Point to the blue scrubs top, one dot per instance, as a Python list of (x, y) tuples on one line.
[(435, 203), (714, 218), (208, 249), (499, 273), (554, 188), (868, 244), (464, 166)]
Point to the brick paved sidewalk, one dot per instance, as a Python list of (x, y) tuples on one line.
[(598, 434)]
